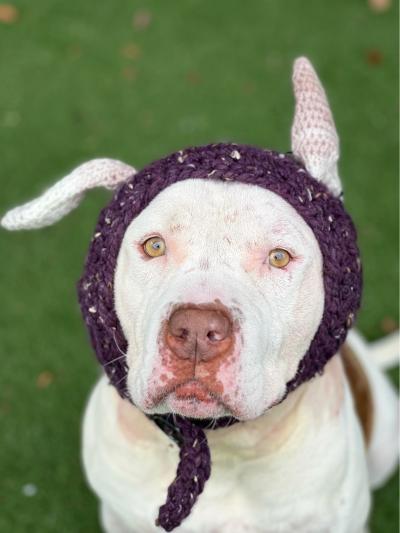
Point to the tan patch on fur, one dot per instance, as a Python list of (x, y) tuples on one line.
[(360, 390)]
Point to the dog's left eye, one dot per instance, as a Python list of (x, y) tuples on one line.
[(279, 258), (154, 247)]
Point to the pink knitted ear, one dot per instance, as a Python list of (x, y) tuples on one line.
[(67, 193), (314, 138)]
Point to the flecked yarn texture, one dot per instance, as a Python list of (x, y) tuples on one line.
[(279, 173)]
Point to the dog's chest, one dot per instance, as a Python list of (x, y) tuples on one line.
[(290, 474)]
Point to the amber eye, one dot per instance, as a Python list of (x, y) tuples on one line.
[(154, 247), (279, 258)]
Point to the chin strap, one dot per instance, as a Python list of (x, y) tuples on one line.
[(194, 467)]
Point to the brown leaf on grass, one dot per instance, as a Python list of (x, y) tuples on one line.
[(380, 5), (129, 73), (141, 19), (193, 78), (5, 408), (374, 57), (74, 51), (8, 13), (44, 379), (131, 51), (389, 324)]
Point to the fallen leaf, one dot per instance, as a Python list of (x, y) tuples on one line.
[(74, 51), (389, 324), (44, 379), (374, 57), (129, 73), (193, 78), (4, 408), (141, 19), (379, 5), (8, 13), (131, 51)]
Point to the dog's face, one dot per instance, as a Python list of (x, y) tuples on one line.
[(220, 308)]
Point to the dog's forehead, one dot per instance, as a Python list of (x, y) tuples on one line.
[(193, 205)]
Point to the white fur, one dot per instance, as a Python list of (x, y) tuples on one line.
[(299, 466)]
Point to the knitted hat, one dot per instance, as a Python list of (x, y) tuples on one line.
[(307, 179)]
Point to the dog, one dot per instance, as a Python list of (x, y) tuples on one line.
[(218, 289)]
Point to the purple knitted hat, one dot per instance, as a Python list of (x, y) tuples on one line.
[(277, 172)]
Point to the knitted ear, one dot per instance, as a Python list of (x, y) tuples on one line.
[(314, 138), (67, 193)]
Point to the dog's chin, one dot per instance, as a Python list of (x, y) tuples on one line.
[(192, 401), (196, 408), (190, 407)]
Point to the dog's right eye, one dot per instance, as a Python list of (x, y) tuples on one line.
[(154, 247), (279, 258)]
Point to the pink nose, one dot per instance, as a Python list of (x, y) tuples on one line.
[(199, 334)]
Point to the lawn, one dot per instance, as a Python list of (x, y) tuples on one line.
[(136, 80)]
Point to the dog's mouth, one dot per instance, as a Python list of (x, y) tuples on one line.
[(193, 398), (194, 391)]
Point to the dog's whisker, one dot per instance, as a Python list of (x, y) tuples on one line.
[(209, 425), (114, 360), (123, 377), (117, 345)]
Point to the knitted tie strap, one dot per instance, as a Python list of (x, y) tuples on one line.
[(194, 466)]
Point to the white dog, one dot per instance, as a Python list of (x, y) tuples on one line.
[(219, 292)]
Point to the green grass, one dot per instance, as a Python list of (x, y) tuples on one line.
[(206, 71)]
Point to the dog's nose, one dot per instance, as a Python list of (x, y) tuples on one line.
[(199, 334)]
